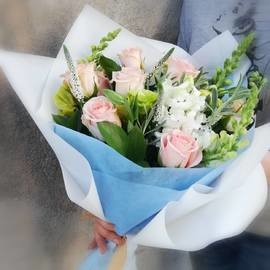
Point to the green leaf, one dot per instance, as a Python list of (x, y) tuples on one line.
[(64, 100), (132, 146), (114, 136), (149, 117), (134, 107), (143, 163), (128, 111), (108, 65), (136, 145), (214, 97), (159, 66), (130, 126), (165, 57), (114, 97), (73, 121)]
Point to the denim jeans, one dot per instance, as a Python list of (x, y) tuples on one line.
[(245, 252)]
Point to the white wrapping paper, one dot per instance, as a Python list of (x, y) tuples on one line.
[(203, 215)]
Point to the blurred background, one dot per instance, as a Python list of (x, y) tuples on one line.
[(39, 227)]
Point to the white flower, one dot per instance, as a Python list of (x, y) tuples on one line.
[(203, 136), (181, 107)]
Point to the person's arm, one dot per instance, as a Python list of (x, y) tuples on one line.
[(103, 232), (266, 166)]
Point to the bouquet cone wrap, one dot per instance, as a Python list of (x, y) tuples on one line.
[(184, 209)]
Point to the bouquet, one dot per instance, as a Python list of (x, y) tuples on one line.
[(157, 141), (174, 116)]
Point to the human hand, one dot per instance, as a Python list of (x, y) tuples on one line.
[(103, 232)]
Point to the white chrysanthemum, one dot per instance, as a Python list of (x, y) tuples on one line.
[(181, 107)]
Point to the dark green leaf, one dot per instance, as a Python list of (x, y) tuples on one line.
[(166, 56), (134, 107), (108, 65), (129, 112), (150, 117), (114, 97), (156, 128), (136, 145), (157, 68), (130, 126), (114, 136), (144, 164), (214, 97), (73, 121)]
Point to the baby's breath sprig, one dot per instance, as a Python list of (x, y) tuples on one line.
[(103, 44), (220, 77)]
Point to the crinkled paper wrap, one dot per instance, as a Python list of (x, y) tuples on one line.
[(204, 214)]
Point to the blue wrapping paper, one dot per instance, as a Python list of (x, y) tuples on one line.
[(131, 195), (94, 260)]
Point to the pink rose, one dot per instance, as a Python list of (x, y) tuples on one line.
[(89, 77), (128, 79), (99, 109), (178, 66), (131, 57), (179, 149)]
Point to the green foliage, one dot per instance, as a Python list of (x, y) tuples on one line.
[(201, 81), (256, 83), (128, 108), (132, 145), (108, 65), (214, 99), (136, 145), (148, 125), (114, 136), (158, 68), (220, 77), (64, 101), (138, 108), (224, 109), (103, 44), (134, 107), (72, 121), (145, 99), (224, 146), (114, 97), (69, 110)]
